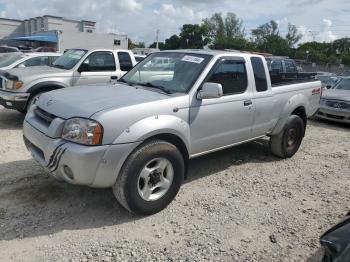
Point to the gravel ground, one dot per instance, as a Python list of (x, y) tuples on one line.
[(240, 204)]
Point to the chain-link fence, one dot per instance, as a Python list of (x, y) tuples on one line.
[(314, 67)]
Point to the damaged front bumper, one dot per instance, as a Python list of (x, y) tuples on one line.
[(95, 166)]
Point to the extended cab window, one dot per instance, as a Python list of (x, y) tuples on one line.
[(124, 61), (231, 75), (259, 74), (100, 61)]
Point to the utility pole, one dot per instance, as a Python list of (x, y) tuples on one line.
[(157, 39)]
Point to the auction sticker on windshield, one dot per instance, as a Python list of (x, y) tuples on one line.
[(192, 59)]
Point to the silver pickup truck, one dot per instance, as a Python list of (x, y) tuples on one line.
[(138, 135), (19, 87)]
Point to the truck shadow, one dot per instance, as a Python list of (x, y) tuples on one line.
[(33, 204), (253, 152), (11, 119)]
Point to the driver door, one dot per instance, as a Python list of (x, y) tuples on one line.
[(221, 122), (97, 68)]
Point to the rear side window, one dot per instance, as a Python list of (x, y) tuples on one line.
[(125, 61), (231, 75), (259, 74)]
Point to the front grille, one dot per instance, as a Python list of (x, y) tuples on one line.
[(337, 104), (335, 117), (43, 115)]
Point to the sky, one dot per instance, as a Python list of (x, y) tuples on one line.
[(320, 20)]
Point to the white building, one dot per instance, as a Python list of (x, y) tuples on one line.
[(58, 32)]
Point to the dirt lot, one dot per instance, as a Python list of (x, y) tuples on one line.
[(240, 204)]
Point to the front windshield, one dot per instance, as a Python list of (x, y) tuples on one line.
[(344, 84), (172, 72), (69, 59), (9, 60)]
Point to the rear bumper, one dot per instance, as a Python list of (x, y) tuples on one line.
[(95, 166), (334, 114), (12, 100)]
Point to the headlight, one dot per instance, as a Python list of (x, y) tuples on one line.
[(82, 131), (10, 84)]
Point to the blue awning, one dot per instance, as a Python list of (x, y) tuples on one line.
[(37, 38)]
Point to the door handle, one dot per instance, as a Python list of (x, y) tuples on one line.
[(248, 103), (114, 77)]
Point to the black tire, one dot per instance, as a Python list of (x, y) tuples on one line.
[(126, 187), (288, 141)]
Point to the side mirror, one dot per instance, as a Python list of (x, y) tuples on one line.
[(328, 86), (210, 90), (21, 65), (83, 68)]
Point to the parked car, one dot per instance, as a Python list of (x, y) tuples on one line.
[(335, 102), (21, 86), (139, 58), (283, 69), (28, 60), (327, 79), (336, 242), (345, 73), (8, 49), (45, 49), (138, 135)]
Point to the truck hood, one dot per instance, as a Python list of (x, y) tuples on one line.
[(337, 94), (84, 101), (28, 74)]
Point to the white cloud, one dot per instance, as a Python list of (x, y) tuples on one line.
[(141, 18)]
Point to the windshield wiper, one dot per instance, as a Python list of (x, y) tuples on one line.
[(163, 89)]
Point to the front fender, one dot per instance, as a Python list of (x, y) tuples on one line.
[(42, 85), (156, 125), (293, 103)]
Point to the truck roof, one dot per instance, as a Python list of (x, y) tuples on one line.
[(214, 52)]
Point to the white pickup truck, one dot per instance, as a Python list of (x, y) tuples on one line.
[(19, 87), (138, 135)]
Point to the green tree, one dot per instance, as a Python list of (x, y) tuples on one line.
[(265, 32), (293, 35), (267, 39), (225, 32), (172, 42), (161, 45), (194, 36), (132, 45)]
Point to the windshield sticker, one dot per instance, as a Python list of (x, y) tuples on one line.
[(192, 59)]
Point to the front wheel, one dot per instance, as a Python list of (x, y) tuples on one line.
[(150, 178), (287, 142)]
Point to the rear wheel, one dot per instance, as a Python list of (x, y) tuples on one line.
[(150, 178), (288, 141)]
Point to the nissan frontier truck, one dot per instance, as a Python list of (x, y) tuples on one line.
[(138, 135)]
